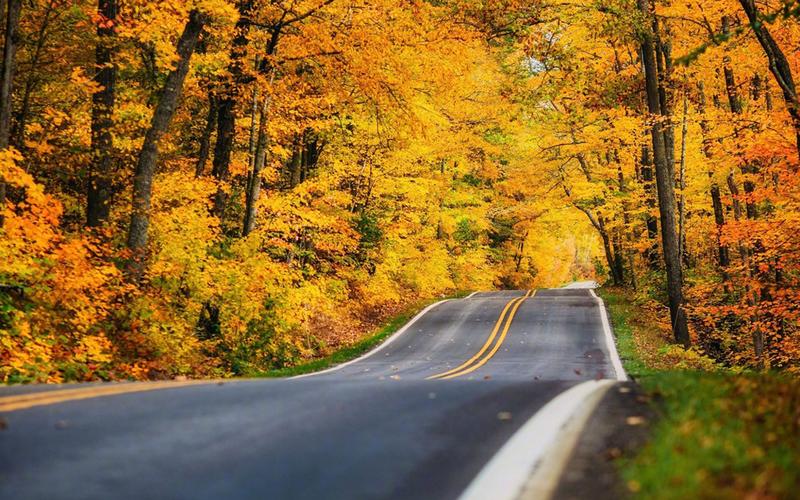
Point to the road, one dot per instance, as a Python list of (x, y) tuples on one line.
[(432, 413)]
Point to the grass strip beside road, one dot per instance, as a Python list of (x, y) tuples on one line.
[(721, 433)]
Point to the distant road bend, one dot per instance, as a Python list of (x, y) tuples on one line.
[(481, 397)]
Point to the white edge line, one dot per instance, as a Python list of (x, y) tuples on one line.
[(505, 476), (610, 344), (377, 349), (470, 295)]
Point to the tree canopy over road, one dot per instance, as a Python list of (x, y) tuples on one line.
[(224, 187)]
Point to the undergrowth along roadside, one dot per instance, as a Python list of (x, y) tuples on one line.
[(721, 433)]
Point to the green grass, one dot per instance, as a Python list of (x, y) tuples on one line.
[(720, 433), (620, 311), (355, 350)]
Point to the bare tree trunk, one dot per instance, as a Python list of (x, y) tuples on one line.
[(665, 184), (13, 8), (101, 170), (519, 254), (609, 251), (11, 18), (778, 64), (227, 109), (162, 116), (664, 69), (651, 221), (723, 254), (205, 138), (682, 183), (254, 179), (226, 128), (259, 160), (730, 81), (629, 235), (737, 215), (254, 115), (734, 189), (619, 264), (719, 221)]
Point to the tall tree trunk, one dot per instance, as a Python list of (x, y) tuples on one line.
[(254, 179), (651, 221), (226, 129), (609, 251), (629, 235), (146, 165), (101, 170), (730, 80), (253, 142), (665, 184), (227, 108), (205, 137), (663, 50), (11, 16), (723, 255), (619, 264), (778, 64), (682, 251)]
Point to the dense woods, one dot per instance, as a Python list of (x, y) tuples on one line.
[(219, 187)]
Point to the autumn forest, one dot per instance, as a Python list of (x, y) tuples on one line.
[(211, 188)]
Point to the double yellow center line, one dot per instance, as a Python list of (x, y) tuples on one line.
[(490, 347)]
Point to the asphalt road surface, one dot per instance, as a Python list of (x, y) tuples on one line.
[(420, 417)]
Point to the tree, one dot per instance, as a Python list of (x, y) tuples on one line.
[(101, 171), (665, 178), (778, 64), (162, 116), (11, 18)]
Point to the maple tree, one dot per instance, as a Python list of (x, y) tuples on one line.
[(216, 187)]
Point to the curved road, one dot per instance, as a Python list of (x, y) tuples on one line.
[(419, 417)]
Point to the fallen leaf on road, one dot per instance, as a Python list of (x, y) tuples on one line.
[(636, 420), (504, 415)]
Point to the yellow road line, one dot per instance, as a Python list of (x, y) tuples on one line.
[(497, 345), (488, 342), (24, 401), (485, 345)]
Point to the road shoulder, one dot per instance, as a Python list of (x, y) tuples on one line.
[(616, 430)]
